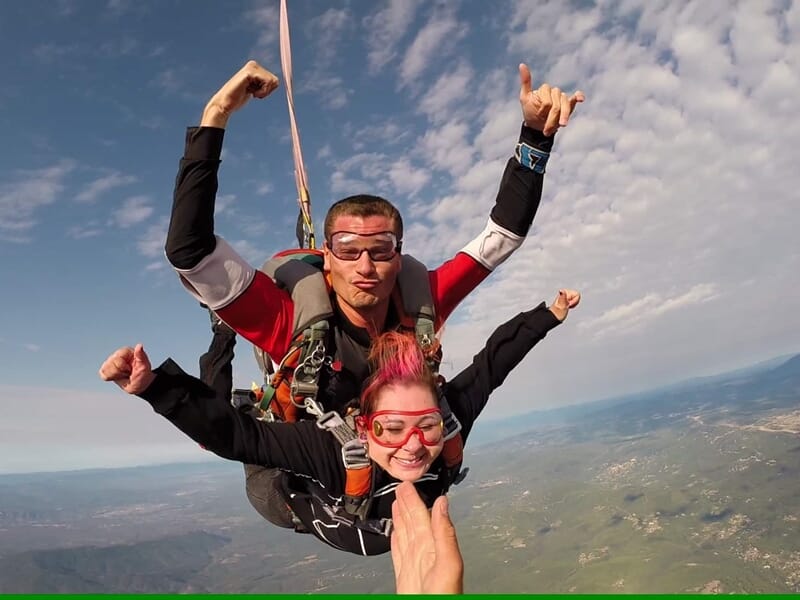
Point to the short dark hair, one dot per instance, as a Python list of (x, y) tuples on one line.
[(364, 205)]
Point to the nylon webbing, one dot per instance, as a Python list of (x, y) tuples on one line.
[(301, 181)]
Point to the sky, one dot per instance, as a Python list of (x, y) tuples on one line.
[(670, 199)]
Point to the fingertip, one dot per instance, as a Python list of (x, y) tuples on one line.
[(444, 506)]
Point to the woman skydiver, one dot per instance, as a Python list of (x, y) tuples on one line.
[(399, 424)]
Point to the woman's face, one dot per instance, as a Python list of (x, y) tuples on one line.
[(412, 459)]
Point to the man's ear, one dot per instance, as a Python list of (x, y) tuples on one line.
[(326, 258)]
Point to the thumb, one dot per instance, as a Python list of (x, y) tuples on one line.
[(561, 299), (524, 79), (444, 532), (140, 359)]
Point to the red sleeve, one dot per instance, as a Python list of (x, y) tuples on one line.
[(264, 315), (452, 282)]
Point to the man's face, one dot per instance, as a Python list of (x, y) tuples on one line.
[(364, 283)]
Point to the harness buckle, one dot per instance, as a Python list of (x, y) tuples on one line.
[(312, 407), (354, 455)]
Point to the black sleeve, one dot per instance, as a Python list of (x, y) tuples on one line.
[(195, 409), (521, 188), (468, 392), (190, 237)]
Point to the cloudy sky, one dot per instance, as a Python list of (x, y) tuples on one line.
[(670, 200)]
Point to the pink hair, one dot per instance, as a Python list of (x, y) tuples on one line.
[(396, 359)]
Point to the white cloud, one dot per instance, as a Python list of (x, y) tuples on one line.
[(65, 8), (127, 46), (89, 230), (385, 28), (331, 88), (325, 32), (52, 52), (327, 29), (406, 178), (388, 132), (447, 147), (21, 197), (668, 199), (619, 319), (250, 252), (133, 211), (452, 88), (224, 202), (151, 243), (32, 347), (265, 20), (94, 189), (359, 173), (159, 265), (180, 82), (435, 40)]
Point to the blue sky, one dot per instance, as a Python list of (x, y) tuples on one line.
[(670, 200)]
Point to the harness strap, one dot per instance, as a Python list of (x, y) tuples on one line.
[(305, 383), (301, 181), (358, 482)]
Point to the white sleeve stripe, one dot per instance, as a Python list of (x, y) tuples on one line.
[(218, 279), (493, 245)]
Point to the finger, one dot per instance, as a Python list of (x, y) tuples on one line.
[(400, 523), (524, 80), (442, 525), (397, 542), (566, 110), (444, 532), (575, 99), (551, 125), (115, 365), (265, 86), (544, 101), (415, 510)]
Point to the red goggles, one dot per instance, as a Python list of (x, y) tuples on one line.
[(393, 428)]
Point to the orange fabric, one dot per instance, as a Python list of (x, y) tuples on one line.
[(359, 482)]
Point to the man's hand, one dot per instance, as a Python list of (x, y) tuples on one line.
[(425, 550), (252, 80), (129, 368), (565, 300), (547, 108)]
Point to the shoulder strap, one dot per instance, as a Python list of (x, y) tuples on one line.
[(414, 284), (418, 308), (299, 272)]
